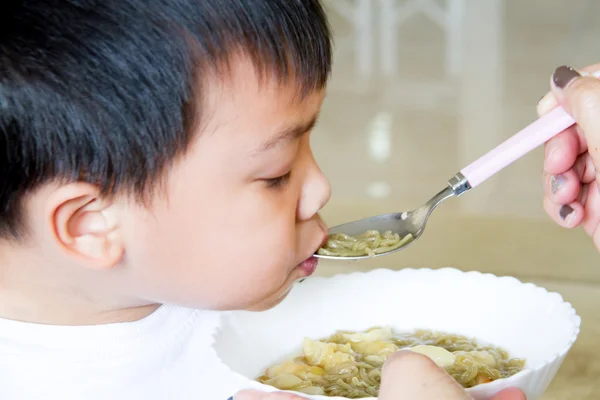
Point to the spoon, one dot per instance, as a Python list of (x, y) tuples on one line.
[(413, 222)]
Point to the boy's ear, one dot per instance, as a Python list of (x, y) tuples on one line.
[(84, 225)]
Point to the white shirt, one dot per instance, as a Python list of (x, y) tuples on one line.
[(167, 355)]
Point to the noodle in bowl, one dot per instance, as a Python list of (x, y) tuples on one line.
[(525, 320)]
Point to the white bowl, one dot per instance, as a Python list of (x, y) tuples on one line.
[(526, 320)]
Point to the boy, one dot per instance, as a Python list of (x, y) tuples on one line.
[(152, 152)]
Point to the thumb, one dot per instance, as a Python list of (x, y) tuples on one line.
[(256, 395), (409, 375), (579, 94), (247, 395), (510, 394)]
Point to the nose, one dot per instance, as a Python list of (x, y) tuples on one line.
[(316, 193)]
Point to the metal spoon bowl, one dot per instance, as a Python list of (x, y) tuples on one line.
[(404, 223)]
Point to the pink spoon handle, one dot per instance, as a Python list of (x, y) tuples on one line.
[(517, 146), (539, 132)]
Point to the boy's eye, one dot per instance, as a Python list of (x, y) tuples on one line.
[(276, 183)]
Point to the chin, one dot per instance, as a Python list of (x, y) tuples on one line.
[(270, 302)]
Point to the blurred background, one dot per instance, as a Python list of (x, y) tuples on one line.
[(421, 88)]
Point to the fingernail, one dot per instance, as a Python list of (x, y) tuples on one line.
[(556, 182), (565, 211), (563, 76)]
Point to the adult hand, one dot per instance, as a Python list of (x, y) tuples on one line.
[(572, 158), (406, 375)]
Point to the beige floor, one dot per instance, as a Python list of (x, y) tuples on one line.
[(422, 88)]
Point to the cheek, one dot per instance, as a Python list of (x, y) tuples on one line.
[(204, 251), (261, 240)]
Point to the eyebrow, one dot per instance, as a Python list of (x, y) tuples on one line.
[(288, 134)]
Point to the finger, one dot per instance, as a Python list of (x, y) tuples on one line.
[(567, 215), (583, 195), (409, 375), (565, 188), (591, 68), (510, 394), (592, 210), (562, 150), (256, 395), (584, 168), (548, 102), (580, 96), (592, 204)]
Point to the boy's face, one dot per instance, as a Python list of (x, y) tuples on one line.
[(239, 217)]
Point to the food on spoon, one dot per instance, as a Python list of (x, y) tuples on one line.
[(348, 364), (369, 244)]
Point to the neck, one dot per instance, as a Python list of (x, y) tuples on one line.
[(33, 291), (55, 311)]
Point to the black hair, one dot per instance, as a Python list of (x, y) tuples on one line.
[(106, 91)]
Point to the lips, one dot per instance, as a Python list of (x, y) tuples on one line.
[(309, 266)]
